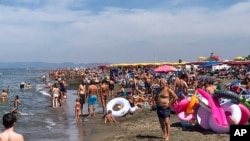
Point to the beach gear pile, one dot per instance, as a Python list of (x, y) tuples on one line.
[(212, 112)]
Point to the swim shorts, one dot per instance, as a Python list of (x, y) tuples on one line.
[(92, 100), (163, 112), (82, 99)]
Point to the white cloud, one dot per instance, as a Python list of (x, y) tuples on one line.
[(55, 33)]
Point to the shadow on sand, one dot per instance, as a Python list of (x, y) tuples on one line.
[(147, 137)]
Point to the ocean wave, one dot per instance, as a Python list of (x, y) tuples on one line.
[(45, 93)]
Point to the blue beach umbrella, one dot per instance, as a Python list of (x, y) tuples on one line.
[(210, 63)]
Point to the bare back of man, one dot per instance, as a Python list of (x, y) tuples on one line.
[(181, 87), (92, 97), (11, 136)]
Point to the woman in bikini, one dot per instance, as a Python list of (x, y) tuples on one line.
[(55, 95)]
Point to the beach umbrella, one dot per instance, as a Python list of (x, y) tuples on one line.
[(178, 63), (202, 58), (165, 68), (210, 63), (103, 66), (239, 58)]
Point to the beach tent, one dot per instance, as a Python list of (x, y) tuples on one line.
[(210, 63)]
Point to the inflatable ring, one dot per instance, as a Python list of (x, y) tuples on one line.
[(235, 98), (125, 106), (133, 109)]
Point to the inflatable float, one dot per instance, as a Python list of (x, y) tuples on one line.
[(217, 119), (228, 94), (123, 104), (184, 110), (245, 102), (233, 113)]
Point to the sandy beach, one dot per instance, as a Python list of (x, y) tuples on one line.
[(144, 126)]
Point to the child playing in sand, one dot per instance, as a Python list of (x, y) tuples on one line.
[(77, 108), (109, 118)]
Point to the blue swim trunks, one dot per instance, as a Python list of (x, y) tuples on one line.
[(180, 94), (92, 100)]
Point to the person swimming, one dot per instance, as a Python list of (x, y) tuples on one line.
[(22, 85)]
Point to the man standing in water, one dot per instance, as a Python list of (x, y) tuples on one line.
[(92, 97), (81, 92), (9, 121), (164, 99), (16, 104)]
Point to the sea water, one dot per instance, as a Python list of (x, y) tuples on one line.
[(38, 121)]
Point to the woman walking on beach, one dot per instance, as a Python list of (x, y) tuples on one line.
[(163, 103)]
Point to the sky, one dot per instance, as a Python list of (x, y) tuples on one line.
[(123, 31)]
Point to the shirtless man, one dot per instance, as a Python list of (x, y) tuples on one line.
[(180, 86), (148, 78), (22, 85), (81, 92), (9, 134), (16, 104), (92, 97), (4, 96), (210, 87), (164, 99), (103, 95)]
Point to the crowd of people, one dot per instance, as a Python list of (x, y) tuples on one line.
[(142, 87)]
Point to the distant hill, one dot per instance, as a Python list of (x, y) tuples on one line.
[(47, 65)]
